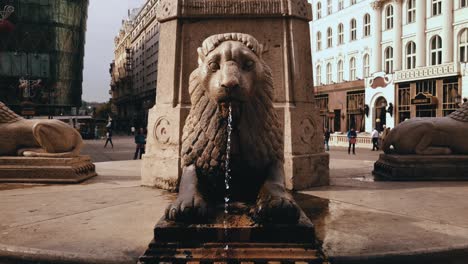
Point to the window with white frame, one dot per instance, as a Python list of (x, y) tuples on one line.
[(388, 60), (463, 43), (352, 69), (463, 3), (353, 29), (319, 41), (340, 4), (318, 74), (329, 37), (410, 55), (329, 7), (367, 25), (353, 2), (329, 73), (436, 7), (340, 71), (389, 17), (366, 63), (340, 34), (319, 10), (436, 50), (411, 15)]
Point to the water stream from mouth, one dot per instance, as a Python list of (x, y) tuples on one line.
[(227, 176)]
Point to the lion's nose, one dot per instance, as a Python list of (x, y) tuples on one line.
[(230, 78)]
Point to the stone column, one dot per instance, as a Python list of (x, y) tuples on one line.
[(377, 31), (447, 32), (421, 33), (282, 26), (397, 27)]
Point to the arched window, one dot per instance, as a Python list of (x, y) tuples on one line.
[(389, 17), (329, 37), (319, 40), (329, 73), (353, 29), (340, 4), (389, 60), (367, 23), (319, 10), (436, 50), (352, 69), (329, 7), (340, 34), (411, 15), (463, 43), (410, 55), (436, 7), (366, 63), (463, 3), (318, 73), (340, 71)]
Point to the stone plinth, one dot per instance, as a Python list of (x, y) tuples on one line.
[(46, 170), (247, 241), (282, 27), (421, 168)]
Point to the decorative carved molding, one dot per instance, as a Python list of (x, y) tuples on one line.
[(170, 9), (307, 130), (427, 72), (161, 130)]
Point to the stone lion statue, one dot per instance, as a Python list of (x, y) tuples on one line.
[(231, 71), (36, 137), (430, 136)]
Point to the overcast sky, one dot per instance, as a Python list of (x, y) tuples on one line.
[(104, 21)]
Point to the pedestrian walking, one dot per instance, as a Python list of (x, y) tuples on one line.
[(352, 136), (132, 129), (375, 139), (140, 141), (327, 139), (109, 138)]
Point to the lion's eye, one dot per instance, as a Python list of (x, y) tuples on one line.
[(214, 66), (249, 65)]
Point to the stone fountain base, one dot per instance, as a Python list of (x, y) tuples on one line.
[(246, 241), (46, 170)]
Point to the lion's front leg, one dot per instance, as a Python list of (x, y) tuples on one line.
[(274, 203), (189, 204)]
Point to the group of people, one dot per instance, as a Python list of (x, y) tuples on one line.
[(352, 138), (140, 140)]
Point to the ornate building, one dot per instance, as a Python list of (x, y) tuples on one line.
[(134, 69)]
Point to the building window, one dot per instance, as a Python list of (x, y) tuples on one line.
[(436, 7), (340, 34), (340, 4), (464, 45), (352, 69), (329, 38), (329, 7), (353, 29), (319, 10), (404, 102), (389, 17), (353, 2), (318, 73), (340, 71), (450, 89), (322, 103), (389, 60), (319, 40), (411, 11), (463, 3), (436, 50), (354, 108), (367, 23), (366, 63), (410, 55), (329, 73)]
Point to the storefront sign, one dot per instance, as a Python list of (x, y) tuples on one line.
[(424, 99)]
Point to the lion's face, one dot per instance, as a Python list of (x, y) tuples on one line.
[(230, 73)]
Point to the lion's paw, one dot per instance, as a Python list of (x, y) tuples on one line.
[(279, 210), (183, 209)]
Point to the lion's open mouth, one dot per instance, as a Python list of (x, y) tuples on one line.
[(235, 109)]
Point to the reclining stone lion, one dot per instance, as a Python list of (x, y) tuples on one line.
[(231, 71), (36, 137), (430, 136)]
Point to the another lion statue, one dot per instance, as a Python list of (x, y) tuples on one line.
[(430, 136), (36, 137), (232, 73)]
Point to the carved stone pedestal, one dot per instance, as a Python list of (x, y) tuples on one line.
[(46, 170), (245, 241), (421, 168)]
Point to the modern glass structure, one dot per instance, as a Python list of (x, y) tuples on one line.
[(41, 55)]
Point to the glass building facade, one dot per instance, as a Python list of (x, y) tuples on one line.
[(41, 55)]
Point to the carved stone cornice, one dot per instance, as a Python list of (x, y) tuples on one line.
[(433, 71), (377, 4), (171, 9)]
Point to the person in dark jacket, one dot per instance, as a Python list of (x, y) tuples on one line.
[(326, 136), (109, 138), (140, 141), (352, 136)]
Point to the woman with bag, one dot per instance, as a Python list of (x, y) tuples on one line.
[(352, 135)]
